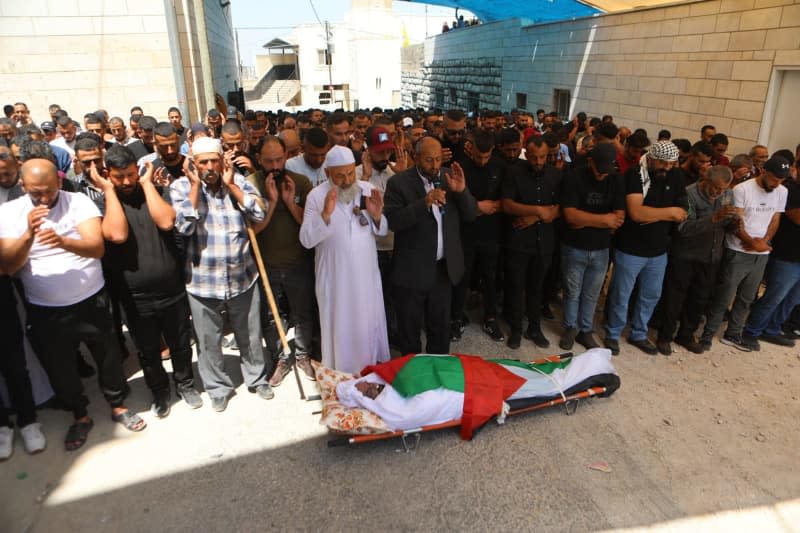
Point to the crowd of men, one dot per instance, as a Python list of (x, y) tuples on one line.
[(372, 227)]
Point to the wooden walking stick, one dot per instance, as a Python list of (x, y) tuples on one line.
[(273, 306)]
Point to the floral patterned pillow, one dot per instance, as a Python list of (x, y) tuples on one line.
[(336, 416)]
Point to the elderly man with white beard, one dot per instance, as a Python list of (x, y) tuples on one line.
[(342, 217)]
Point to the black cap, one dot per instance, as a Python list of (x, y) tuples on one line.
[(778, 166), (604, 155), (48, 126)]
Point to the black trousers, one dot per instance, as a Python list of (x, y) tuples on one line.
[(385, 267), (13, 366), (417, 308), (295, 285), (55, 333), (526, 274), (686, 293), (147, 326), (483, 257)]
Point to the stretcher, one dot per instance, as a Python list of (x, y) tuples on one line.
[(599, 385)]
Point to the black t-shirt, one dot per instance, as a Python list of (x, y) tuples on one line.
[(786, 243), (582, 191), (175, 171), (526, 185), (146, 267), (484, 184), (139, 149), (650, 240)]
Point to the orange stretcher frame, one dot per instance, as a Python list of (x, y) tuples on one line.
[(360, 439)]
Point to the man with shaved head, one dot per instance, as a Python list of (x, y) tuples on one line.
[(53, 240), (292, 141), (425, 206)]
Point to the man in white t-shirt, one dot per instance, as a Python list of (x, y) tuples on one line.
[(759, 203), (53, 240)]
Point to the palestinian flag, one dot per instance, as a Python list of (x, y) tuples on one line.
[(487, 383)]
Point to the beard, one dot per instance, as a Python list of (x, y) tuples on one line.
[(346, 195), (209, 177), (656, 174), (380, 165)]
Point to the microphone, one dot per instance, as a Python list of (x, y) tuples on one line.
[(439, 184)]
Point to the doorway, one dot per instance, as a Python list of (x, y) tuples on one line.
[(779, 128)]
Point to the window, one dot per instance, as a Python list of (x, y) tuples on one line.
[(522, 101), (324, 98), (323, 57), (473, 101), (438, 97), (377, 84), (561, 102), (453, 96)]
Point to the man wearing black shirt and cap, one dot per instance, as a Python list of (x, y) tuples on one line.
[(480, 238), (530, 195), (593, 201)]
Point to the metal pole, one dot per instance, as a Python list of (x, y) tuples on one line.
[(330, 58), (175, 56)]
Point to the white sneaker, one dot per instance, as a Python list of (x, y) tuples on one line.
[(33, 438), (6, 442)]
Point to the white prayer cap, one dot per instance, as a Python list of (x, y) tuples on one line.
[(206, 145), (339, 156)]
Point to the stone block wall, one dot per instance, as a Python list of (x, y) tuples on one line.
[(675, 67)]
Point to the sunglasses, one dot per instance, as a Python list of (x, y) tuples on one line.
[(88, 162), (453, 133)]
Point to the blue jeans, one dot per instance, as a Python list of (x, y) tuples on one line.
[(627, 269), (584, 272), (782, 294)]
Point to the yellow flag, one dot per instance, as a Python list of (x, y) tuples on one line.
[(405, 36)]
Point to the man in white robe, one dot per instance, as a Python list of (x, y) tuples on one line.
[(342, 217)]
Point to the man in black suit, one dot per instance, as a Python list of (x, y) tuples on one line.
[(425, 207)]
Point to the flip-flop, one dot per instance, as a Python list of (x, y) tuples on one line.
[(77, 435), (130, 421)]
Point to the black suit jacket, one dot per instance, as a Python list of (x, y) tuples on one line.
[(416, 233)]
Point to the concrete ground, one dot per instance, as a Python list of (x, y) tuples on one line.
[(692, 443)]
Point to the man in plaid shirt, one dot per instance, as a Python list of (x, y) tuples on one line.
[(213, 205)]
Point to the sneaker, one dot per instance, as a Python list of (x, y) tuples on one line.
[(547, 313), (219, 403), (6, 442), (568, 338), (780, 340), (491, 328), (282, 369), (305, 365), (231, 344), (612, 344), (739, 343), (644, 345), (791, 333), (664, 347), (514, 340), (160, 406), (586, 339), (264, 392), (191, 397), (691, 344), (33, 438), (535, 334)]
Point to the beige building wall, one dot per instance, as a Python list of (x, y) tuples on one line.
[(86, 55), (677, 67), (112, 54)]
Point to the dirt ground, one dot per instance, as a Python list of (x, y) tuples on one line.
[(692, 443)]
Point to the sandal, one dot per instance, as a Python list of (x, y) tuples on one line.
[(131, 421), (77, 434)]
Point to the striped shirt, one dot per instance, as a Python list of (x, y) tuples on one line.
[(218, 260)]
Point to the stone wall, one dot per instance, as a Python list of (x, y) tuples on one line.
[(675, 67)]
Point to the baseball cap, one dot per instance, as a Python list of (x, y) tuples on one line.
[(380, 140), (778, 166), (603, 155), (48, 126), (408, 122), (232, 112)]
